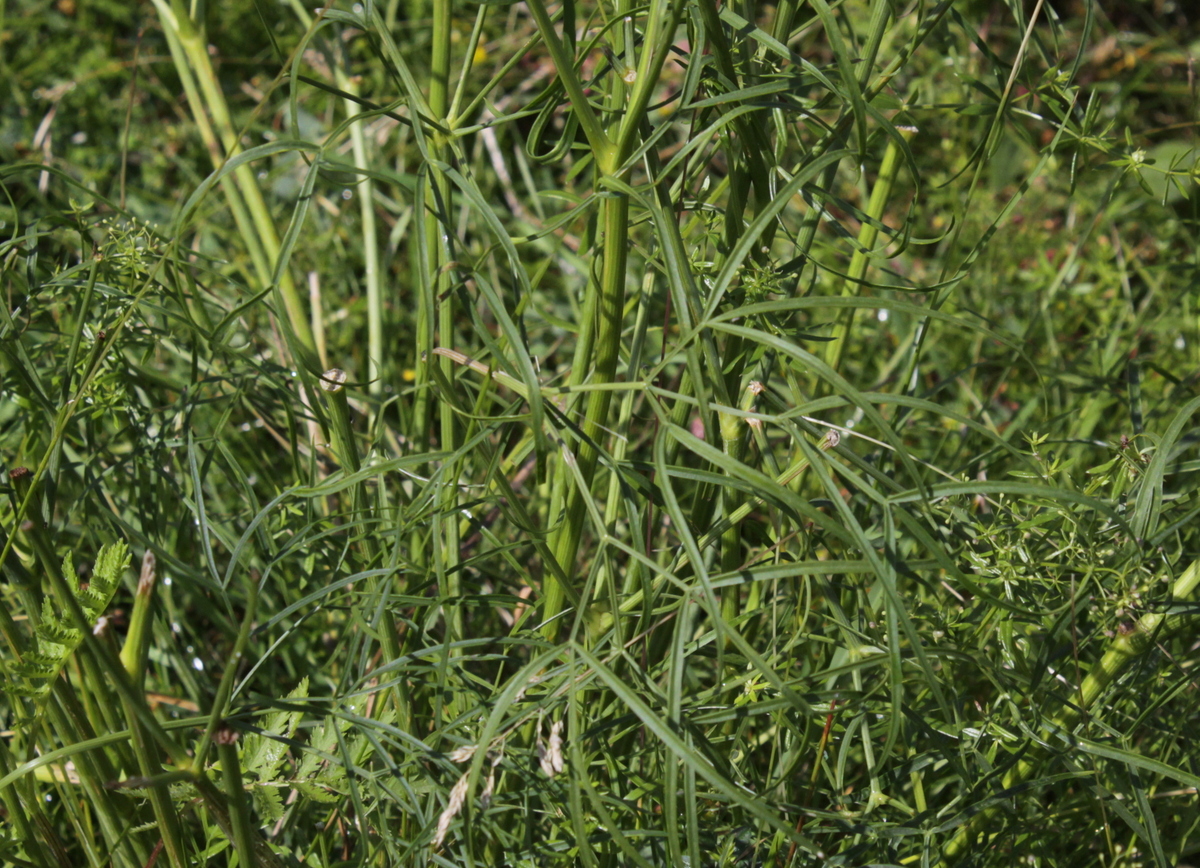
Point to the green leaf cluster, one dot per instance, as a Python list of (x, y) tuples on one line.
[(57, 634)]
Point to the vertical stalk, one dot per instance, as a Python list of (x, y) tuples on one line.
[(611, 298), (69, 722), (137, 639), (226, 739), (138, 718), (166, 819), (189, 52), (423, 279), (437, 239), (612, 506), (596, 362), (437, 212), (366, 208), (733, 438), (868, 234), (17, 813)]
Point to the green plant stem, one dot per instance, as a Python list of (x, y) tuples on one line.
[(18, 814), (216, 714), (1122, 650), (365, 189), (189, 50), (138, 716), (174, 19), (137, 639), (235, 794), (213, 799), (468, 65), (595, 358), (438, 234), (165, 816), (613, 502), (216, 802), (112, 665), (94, 770), (610, 306), (868, 233), (733, 440)]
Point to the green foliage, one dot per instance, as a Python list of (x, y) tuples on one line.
[(56, 636), (643, 435), (319, 774)]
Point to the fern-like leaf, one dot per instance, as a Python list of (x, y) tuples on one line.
[(55, 640), (262, 754)]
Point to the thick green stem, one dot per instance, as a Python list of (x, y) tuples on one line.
[(144, 728), (868, 234), (439, 229), (137, 639), (235, 794), (610, 305), (613, 505), (165, 817), (217, 804), (189, 51), (94, 770)]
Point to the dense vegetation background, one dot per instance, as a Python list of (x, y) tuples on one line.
[(595, 433)]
